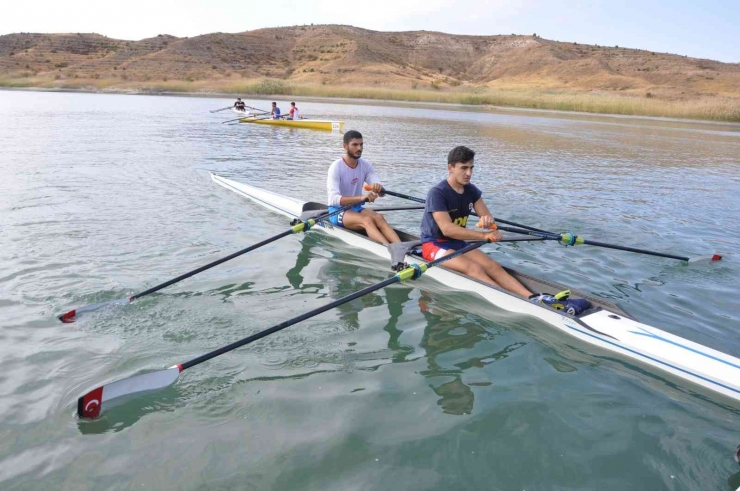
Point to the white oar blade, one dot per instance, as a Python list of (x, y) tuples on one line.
[(709, 257), (91, 404), (72, 315)]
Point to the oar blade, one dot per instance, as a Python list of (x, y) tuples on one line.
[(708, 257), (92, 404), (73, 315)]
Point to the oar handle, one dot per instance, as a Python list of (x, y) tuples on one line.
[(492, 226)]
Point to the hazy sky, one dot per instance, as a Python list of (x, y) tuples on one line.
[(704, 29)]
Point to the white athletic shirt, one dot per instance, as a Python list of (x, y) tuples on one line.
[(346, 181)]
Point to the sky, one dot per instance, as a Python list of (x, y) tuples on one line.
[(701, 29)]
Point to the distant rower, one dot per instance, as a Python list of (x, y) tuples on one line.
[(443, 231), (345, 184), (239, 104), (275, 111), (294, 111)]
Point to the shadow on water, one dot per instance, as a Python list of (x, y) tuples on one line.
[(454, 325), (448, 332), (733, 482)]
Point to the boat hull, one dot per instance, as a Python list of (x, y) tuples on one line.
[(607, 326), (243, 113), (313, 124)]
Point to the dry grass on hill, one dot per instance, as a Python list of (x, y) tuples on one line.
[(344, 61)]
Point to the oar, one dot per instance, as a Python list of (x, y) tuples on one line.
[(568, 238), (257, 109), (222, 109), (303, 226), (260, 118), (90, 405), (572, 239)]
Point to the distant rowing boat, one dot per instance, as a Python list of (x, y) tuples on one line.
[(315, 124), (243, 112), (606, 326)]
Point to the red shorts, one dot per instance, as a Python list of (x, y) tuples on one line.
[(437, 248)]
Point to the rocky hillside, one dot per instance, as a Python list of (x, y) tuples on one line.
[(334, 54)]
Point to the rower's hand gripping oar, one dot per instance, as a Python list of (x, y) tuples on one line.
[(572, 239), (90, 405), (303, 226)]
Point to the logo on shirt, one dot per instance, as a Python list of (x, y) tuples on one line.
[(354, 181), (470, 206)]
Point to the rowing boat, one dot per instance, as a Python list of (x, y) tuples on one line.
[(315, 124), (242, 112), (605, 326)]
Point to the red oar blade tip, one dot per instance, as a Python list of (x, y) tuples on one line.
[(708, 257), (91, 404), (71, 316)]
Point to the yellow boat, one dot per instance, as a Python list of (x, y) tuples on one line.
[(315, 124)]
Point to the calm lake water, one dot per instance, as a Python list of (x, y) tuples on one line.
[(413, 387)]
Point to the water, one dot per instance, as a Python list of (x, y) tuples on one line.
[(412, 387)]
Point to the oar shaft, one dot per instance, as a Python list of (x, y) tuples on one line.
[(301, 226), (288, 323), (90, 405), (526, 229), (238, 253), (256, 109), (536, 233), (632, 249), (581, 240), (401, 276), (501, 220), (404, 196), (211, 265)]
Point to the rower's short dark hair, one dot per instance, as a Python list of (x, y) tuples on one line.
[(351, 135), (292, 103), (460, 154)]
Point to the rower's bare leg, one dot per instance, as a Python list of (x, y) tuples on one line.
[(498, 274), (467, 266), (382, 225), (362, 221)]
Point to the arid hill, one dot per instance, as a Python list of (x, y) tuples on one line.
[(338, 55)]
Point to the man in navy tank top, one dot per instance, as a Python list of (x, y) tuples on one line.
[(448, 206)]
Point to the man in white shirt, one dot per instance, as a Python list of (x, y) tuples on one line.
[(345, 186)]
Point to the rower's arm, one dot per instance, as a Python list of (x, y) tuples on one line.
[(482, 211), (449, 229), (333, 188)]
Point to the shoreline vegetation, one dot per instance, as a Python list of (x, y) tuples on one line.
[(705, 107)]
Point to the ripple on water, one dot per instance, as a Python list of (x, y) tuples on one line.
[(117, 201)]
